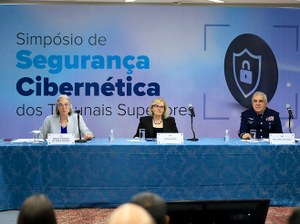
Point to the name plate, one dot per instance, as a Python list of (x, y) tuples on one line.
[(169, 138), (61, 139), (282, 138)]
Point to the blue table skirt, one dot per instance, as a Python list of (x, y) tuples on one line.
[(101, 174)]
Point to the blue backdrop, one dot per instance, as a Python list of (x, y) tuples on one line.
[(114, 59)]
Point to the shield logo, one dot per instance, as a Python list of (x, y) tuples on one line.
[(247, 71)]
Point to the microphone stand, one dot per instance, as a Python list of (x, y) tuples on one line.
[(80, 140), (194, 139), (290, 118)]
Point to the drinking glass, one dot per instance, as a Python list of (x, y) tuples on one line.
[(252, 135), (142, 132), (36, 135)]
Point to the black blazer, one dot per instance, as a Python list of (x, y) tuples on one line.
[(169, 126)]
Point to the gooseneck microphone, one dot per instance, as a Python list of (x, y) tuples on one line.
[(80, 140), (191, 110), (288, 107), (291, 116), (192, 114)]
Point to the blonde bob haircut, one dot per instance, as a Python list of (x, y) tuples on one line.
[(57, 102), (156, 101)]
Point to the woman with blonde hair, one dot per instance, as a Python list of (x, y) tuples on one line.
[(158, 120)]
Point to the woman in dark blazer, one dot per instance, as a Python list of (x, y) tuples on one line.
[(158, 121)]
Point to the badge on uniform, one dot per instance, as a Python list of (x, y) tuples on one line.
[(250, 120), (270, 118)]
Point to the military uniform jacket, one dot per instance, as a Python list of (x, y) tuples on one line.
[(268, 122)]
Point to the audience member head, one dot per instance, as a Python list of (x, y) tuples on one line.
[(37, 209), (154, 204), (259, 102), (159, 107), (294, 217), (130, 214), (63, 103)]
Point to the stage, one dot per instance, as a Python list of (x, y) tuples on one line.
[(103, 174)]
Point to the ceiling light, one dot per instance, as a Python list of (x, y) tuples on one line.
[(216, 1), (130, 0)]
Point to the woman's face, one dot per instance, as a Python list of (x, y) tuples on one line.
[(63, 107), (158, 109)]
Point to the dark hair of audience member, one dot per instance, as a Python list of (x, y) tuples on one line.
[(294, 217), (154, 204), (37, 209)]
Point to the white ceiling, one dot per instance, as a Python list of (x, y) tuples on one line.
[(178, 2), (208, 2)]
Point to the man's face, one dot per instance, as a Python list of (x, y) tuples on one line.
[(259, 104)]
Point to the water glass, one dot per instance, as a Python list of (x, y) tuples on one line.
[(36, 136), (142, 134), (252, 134)]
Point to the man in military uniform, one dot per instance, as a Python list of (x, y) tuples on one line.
[(260, 118)]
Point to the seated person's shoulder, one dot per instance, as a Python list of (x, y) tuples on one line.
[(271, 111), (170, 118), (49, 117), (145, 118), (248, 111)]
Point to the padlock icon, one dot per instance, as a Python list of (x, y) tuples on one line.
[(246, 73)]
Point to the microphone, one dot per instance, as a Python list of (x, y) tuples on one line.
[(80, 140), (192, 113), (191, 110), (288, 107)]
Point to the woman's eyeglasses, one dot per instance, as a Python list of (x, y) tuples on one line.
[(159, 107), (63, 104)]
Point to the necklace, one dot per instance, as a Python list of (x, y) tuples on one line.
[(159, 122)]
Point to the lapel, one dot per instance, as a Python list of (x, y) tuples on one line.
[(150, 126)]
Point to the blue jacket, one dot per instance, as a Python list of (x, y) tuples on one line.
[(268, 122)]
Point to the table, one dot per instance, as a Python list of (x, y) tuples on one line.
[(101, 174)]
